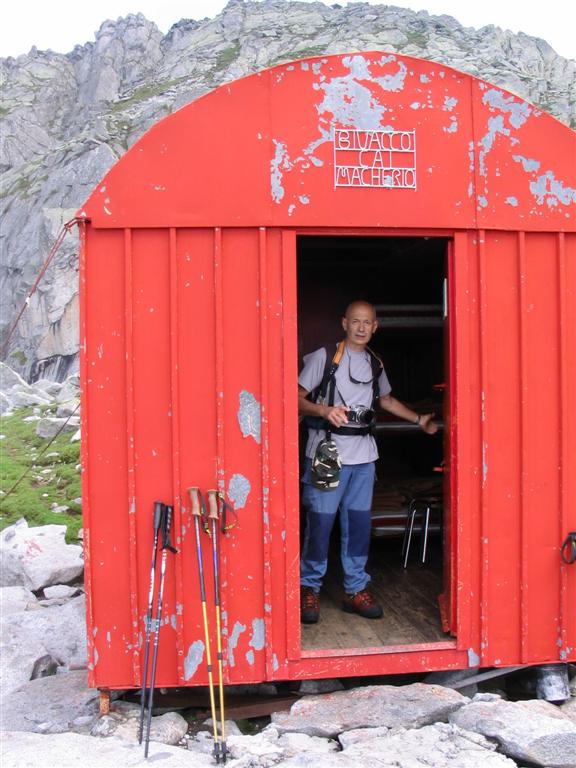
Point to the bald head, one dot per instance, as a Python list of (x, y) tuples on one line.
[(359, 324), (360, 305)]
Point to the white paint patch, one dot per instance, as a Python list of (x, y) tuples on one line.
[(258, 638), (473, 658), (238, 489), (552, 191), (193, 659), (249, 415), (495, 127), (279, 163), (518, 111), (527, 164), (233, 642)]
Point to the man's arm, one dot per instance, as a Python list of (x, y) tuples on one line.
[(394, 406), (335, 414)]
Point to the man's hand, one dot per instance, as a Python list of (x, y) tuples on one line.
[(336, 415), (427, 425)]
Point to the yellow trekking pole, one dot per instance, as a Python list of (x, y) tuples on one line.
[(213, 497), (196, 500)]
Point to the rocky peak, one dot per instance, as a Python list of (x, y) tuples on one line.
[(67, 118)]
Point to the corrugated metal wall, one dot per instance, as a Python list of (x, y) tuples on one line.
[(177, 325), (188, 332), (516, 361)]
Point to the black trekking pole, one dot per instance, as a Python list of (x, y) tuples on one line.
[(165, 528), (213, 498), (158, 516), (195, 500)]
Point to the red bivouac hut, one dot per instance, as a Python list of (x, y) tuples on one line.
[(225, 243)]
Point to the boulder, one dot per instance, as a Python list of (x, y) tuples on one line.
[(68, 408), (5, 404), (60, 591), (51, 704), (34, 643), (531, 731), (568, 709), (70, 389), (38, 557), (70, 750), (50, 426), (22, 396), (123, 722), (9, 378), (410, 706), (50, 388), (348, 738), (17, 599), (434, 746), (23, 655)]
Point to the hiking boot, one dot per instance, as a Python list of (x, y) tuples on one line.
[(309, 605), (363, 604)]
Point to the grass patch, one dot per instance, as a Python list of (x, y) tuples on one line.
[(143, 93), (227, 56), (300, 53), (52, 476)]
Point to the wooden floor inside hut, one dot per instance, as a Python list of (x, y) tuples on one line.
[(409, 598)]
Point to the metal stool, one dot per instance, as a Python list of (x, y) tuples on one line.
[(421, 507)]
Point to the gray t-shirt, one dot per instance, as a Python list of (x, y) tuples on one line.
[(355, 365)]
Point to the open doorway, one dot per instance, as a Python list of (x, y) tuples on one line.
[(405, 278)]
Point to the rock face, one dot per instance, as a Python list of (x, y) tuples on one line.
[(67, 118), (38, 557)]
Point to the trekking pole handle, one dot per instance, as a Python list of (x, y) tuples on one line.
[(166, 530), (195, 500), (168, 520), (213, 504), (158, 511)]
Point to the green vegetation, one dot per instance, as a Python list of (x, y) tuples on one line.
[(419, 39), (144, 93), (300, 53), (227, 56), (52, 475), (18, 357)]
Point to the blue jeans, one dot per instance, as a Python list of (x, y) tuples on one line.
[(353, 497)]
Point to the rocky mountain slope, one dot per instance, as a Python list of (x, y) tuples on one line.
[(67, 118)]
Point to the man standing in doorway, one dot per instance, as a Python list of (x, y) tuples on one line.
[(355, 386)]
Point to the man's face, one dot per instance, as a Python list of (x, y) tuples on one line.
[(359, 325)]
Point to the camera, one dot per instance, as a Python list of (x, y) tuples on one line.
[(359, 414)]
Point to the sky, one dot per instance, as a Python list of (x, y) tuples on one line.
[(61, 24)]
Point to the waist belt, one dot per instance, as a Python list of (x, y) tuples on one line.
[(316, 422), (355, 431)]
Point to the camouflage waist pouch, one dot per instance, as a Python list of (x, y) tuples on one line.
[(326, 466)]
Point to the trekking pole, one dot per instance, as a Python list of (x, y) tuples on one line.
[(213, 498), (165, 528), (195, 500), (158, 517)]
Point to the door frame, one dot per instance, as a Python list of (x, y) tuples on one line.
[(443, 650)]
